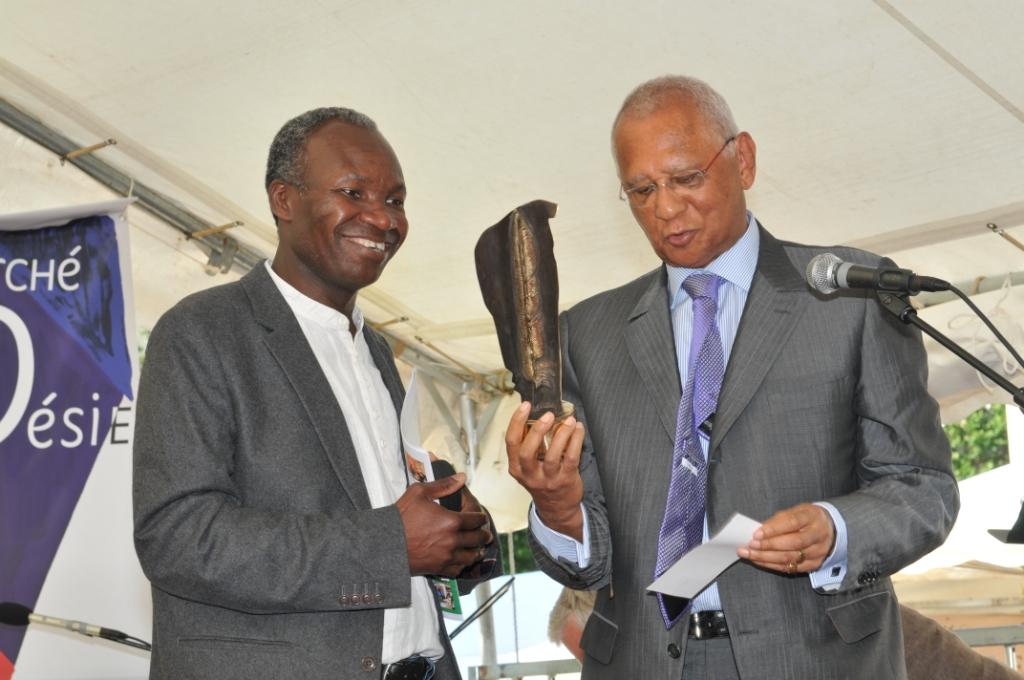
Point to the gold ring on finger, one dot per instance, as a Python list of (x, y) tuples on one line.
[(790, 567), (800, 559)]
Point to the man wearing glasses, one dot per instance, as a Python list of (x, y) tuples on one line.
[(720, 384)]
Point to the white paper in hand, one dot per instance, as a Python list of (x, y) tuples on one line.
[(698, 568), (417, 458)]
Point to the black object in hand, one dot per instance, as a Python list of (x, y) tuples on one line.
[(452, 501)]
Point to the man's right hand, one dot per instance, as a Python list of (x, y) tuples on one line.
[(550, 473), (439, 541)]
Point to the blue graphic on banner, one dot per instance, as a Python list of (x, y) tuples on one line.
[(65, 369)]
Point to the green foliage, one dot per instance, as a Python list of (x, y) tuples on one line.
[(143, 339), (521, 548), (979, 441)]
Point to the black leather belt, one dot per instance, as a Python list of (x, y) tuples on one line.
[(413, 668), (707, 625)]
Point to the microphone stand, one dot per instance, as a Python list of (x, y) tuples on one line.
[(901, 308), (125, 639), (487, 604)]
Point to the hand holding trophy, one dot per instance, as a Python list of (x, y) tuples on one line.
[(515, 265)]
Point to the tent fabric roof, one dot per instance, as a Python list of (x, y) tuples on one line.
[(896, 123)]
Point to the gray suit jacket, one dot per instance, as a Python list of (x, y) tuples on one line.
[(823, 399), (252, 520)]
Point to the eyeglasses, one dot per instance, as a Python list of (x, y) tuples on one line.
[(640, 195)]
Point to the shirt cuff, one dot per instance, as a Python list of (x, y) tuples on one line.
[(560, 545), (829, 576)]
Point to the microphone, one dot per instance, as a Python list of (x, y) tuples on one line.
[(15, 614), (442, 469), (826, 274)]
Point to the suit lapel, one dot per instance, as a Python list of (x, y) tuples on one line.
[(287, 343), (773, 309), (651, 345)]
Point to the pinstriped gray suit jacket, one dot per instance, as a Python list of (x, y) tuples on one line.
[(252, 520), (823, 399)]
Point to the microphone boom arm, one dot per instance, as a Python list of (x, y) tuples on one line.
[(902, 310)]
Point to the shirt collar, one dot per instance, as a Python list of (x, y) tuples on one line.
[(736, 265), (314, 311)]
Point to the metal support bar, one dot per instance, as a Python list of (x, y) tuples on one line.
[(86, 149), (384, 324), (550, 669), (996, 635), (442, 407), (1006, 636), (221, 261), (1001, 232), (488, 415), (469, 430), (489, 650), (450, 358), (213, 230), (150, 200)]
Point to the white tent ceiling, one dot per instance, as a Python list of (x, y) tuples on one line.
[(895, 125)]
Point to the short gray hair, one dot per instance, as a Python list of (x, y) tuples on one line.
[(288, 150), (650, 96)]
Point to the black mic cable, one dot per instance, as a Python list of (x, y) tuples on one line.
[(827, 274)]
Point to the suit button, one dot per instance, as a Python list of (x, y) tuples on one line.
[(379, 597), (673, 650), (368, 664), (366, 599), (343, 600)]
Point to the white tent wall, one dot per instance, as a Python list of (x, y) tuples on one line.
[(165, 267), (872, 119)]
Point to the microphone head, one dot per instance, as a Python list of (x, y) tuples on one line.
[(452, 501), (14, 614), (821, 273)]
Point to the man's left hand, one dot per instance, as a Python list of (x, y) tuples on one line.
[(796, 540)]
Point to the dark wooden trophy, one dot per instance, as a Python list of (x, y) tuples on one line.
[(515, 264)]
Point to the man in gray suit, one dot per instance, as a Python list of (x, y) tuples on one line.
[(720, 384), (274, 514)]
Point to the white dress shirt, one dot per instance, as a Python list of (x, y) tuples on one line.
[(373, 425)]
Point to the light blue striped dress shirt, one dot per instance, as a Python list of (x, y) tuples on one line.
[(736, 266)]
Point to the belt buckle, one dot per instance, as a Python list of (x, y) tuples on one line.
[(697, 631), (706, 625), (410, 668)]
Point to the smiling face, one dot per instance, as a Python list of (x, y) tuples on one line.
[(338, 231), (685, 228)]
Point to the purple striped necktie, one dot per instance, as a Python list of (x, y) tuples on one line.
[(682, 527)]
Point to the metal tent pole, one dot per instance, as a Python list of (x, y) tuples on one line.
[(489, 647)]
